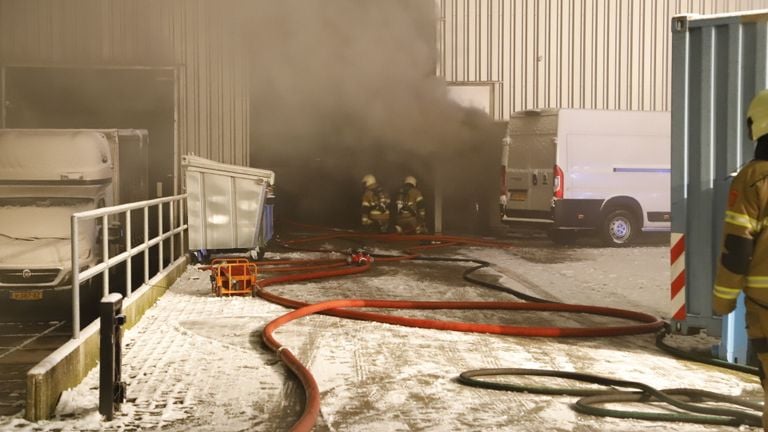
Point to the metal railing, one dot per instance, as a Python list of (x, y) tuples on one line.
[(176, 227)]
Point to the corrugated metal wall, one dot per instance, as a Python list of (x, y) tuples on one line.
[(189, 35), (603, 54)]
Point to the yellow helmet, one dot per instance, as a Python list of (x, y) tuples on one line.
[(410, 180), (369, 180), (757, 114)]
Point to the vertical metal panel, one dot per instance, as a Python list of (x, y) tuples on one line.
[(193, 36), (2, 97), (719, 64), (601, 54)]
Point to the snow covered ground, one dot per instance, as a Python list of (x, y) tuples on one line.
[(196, 362)]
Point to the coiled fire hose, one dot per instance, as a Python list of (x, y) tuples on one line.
[(680, 398), (336, 308)]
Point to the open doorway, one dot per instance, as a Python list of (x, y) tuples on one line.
[(36, 97), (98, 98)]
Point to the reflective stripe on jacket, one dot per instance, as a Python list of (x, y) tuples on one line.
[(410, 202), (375, 201), (743, 262)]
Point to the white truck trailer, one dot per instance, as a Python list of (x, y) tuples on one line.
[(572, 170), (45, 176)]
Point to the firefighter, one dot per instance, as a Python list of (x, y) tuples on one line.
[(410, 214), (743, 263), (375, 206)]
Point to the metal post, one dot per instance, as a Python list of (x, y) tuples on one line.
[(75, 244), (160, 232), (734, 342), (111, 387), (105, 254), (128, 269), (182, 218), (146, 244), (438, 204), (176, 142), (172, 226)]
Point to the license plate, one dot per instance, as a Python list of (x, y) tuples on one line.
[(518, 195), (26, 295)]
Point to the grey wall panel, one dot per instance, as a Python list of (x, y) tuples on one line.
[(719, 64), (190, 35), (603, 54)]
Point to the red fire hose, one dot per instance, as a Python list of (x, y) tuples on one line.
[(648, 323)]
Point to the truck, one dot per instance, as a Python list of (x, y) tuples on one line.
[(46, 175), (579, 171)]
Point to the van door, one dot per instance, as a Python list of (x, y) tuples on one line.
[(529, 176)]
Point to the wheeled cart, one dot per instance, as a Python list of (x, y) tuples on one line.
[(229, 208)]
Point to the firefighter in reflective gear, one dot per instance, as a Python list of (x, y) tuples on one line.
[(375, 206), (410, 214), (743, 264)]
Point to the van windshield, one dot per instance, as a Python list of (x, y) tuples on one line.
[(34, 218)]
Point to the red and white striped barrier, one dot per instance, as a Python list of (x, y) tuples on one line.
[(677, 275)]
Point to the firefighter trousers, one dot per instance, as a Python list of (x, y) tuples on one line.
[(757, 332)]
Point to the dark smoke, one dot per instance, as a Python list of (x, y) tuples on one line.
[(342, 88)]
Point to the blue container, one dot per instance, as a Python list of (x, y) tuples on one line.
[(718, 65)]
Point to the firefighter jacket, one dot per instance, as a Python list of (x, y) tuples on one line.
[(375, 201), (743, 263), (410, 202)]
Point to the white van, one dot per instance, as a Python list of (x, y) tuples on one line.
[(572, 170)]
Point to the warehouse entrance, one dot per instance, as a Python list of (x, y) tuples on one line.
[(35, 97), (97, 98)]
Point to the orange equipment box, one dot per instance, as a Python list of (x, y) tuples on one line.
[(233, 276)]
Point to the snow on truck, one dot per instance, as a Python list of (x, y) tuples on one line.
[(45, 176), (572, 170)]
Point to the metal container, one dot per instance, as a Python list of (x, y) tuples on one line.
[(718, 64), (226, 205)]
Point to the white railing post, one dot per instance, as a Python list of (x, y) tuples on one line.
[(172, 227), (105, 254), (182, 219), (75, 244), (146, 244), (160, 232), (128, 245)]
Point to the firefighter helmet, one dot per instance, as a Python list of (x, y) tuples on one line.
[(369, 180), (757, 115), (411, 180)]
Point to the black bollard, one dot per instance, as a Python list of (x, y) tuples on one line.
[(111, 387)]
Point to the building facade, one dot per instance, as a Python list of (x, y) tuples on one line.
[(600, 54)]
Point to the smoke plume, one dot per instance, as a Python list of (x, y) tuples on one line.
[(343, 88)]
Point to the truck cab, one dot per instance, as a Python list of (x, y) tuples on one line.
[(45, 177)]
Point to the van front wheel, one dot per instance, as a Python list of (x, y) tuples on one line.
[(619, 228)]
